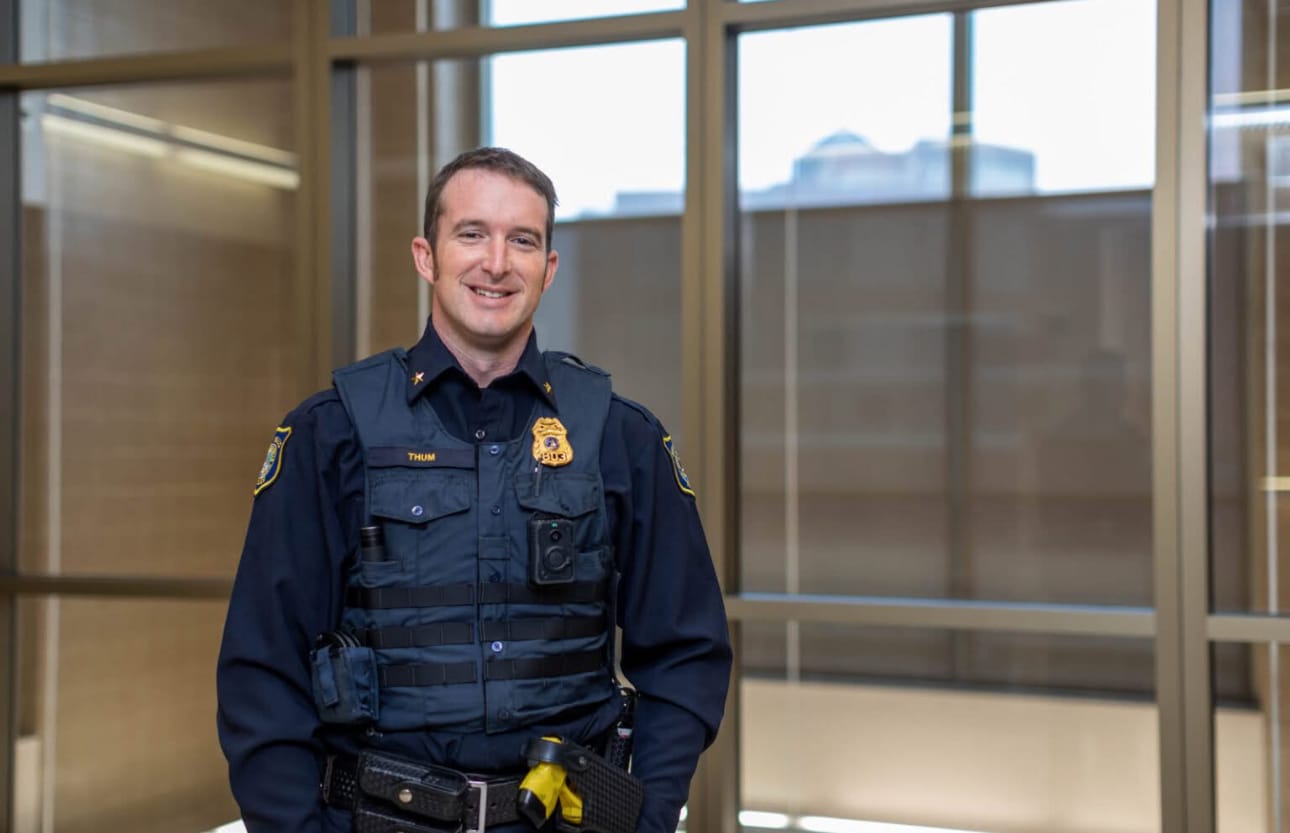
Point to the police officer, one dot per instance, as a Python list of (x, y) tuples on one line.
[(441, 545)]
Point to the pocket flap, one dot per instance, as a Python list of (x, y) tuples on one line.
[(416, 500), (566, 494)]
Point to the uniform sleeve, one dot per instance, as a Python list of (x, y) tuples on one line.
[(287, 591), (676, 646)]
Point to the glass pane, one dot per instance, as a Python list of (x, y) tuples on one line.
[(115, 727), (1249, 191), (385, 16), (955, 731), (1058, 365), (55, 30), (615, 197), (1046, 119), (941, 399), (160, 344), (885, 140), (1251, 782), (639, 88)]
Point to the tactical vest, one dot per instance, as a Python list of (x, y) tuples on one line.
[(462, 637)]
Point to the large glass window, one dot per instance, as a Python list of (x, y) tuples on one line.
[(1249, 190), (1252, 782), (115, 709), (1046, 119), (802, 143), (906, 744), (1248, 172), (944, 399), (160, 324)]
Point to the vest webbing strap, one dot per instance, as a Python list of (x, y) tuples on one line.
[(428, 674), (574, 592), (446, 633), (438, 673), (557, 666), (437, 595), (551, 627), (463, 633), (445, 595)]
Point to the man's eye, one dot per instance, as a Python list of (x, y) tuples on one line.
[(471, 235), (525, 241)]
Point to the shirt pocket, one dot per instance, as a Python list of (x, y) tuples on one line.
[(405, 503), (565, 495)]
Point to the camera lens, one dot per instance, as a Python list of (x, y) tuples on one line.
[(555, 535)]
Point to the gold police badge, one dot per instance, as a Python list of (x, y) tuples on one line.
[(551, 443)]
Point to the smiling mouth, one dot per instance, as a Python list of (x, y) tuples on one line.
[(489, 293)]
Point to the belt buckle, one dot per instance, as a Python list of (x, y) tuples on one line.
[(481, 808)]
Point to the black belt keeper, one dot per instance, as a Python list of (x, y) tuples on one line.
[(384, 791)]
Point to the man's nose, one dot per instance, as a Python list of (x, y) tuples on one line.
[(495, 257)]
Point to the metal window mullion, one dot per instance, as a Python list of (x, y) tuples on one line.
[(745, 17), (142, 587), (167, 66), (1251, 628), (477, 41), (710, 358), (10, 381), (945, 614), (341, 172), (312, 279), (1193, 416), (1179, 439)]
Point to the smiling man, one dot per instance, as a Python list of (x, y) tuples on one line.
[(440, 550)]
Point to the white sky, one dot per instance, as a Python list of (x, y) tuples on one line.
[(1071, 81)]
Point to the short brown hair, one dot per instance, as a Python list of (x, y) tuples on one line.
[(498, 160)]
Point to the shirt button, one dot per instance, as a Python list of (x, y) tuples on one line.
[(497, 647), (494, 450), (503, 714), (480, 434), (497, 510), (418, 511)]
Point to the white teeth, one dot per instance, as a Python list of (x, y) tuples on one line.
[(487, 294)]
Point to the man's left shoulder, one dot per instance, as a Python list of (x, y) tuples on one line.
[(635, 419)]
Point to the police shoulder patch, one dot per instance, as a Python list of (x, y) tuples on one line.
[(682, 480), (273, 459)]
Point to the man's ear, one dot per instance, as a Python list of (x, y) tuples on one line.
[(552, 264), (423, 259)]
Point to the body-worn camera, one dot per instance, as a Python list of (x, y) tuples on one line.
[(551, 551)]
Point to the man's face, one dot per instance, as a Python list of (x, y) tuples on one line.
[(489, 266)]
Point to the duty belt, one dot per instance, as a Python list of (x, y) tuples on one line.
[(457, 802)]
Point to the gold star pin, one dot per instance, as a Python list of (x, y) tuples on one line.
[(547, 387), (419, 378)]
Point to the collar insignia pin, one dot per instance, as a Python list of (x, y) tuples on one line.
[(419, 378), (551, 443)]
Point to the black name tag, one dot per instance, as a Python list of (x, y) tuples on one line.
[(422, 458)]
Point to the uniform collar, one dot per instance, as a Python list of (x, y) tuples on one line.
[(429, 359)]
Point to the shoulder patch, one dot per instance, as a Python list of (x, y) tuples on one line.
[(682, 480), (273, 459)]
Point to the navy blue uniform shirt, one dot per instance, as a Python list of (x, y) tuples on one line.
[(304, 531)]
